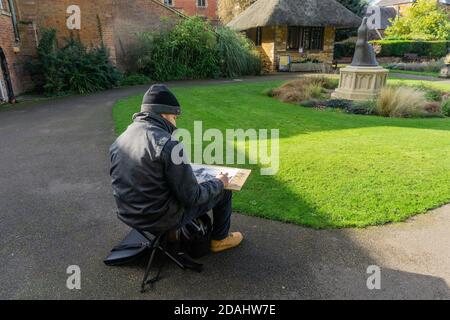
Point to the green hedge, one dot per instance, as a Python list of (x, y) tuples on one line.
[(398, 48), (344, 49)]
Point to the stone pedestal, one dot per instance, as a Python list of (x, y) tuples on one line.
[(360, 83)]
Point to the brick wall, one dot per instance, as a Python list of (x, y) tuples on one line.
[(115, 22), (190, 8), (96, 19), (9, 45), (135, 16)]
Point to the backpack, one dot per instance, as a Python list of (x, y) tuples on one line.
[(195, 237)]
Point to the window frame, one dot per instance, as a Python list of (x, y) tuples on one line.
[(258, 36), (3, 7), (171, 4), (200, 6), (307, 38)]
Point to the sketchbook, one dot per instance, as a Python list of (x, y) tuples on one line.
[(237, 176)]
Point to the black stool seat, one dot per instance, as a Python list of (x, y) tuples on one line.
[(138, 243)]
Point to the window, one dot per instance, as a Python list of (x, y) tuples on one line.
[(2, 6), (308, 38), (201, 3), (258, 38), (168, 3)]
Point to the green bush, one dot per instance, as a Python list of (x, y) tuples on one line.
[(138, 59), (398, 48), (188, 51), (238, 55), (134, 80), (446, 107), (363, 107), (344, 49), (72, 68), (193, 50)]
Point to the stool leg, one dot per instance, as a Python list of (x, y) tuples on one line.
[(153, 248)]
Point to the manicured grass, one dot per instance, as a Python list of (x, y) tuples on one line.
[(336, 169)]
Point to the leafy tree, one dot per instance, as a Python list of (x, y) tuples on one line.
[(424, 20), (193, 50), (188, 51), (355, 6)]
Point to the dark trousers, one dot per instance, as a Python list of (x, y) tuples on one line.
[(221, 207)]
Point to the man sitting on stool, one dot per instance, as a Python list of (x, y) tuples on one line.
[(151, 191)]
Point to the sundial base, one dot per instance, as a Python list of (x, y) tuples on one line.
[(360, 83)]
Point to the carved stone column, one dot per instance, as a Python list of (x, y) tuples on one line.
[(360, 83)]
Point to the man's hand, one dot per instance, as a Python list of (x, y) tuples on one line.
[(224, 178)]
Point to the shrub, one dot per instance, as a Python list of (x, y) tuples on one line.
[(135, 79), (72, 68), (344, 49), (355, 107), (446, 107), (430, 93), (138, 59), (401, 102), (238, 56), (430, 66), (304, 89), (192, 50), (398, 48), (188, 51), (362, 107), (339, 104)]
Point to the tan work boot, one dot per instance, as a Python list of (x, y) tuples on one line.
[(233, 240)]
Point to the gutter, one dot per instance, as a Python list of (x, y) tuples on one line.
[(14, 19)]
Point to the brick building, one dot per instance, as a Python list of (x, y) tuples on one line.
[(10, 61), (113, 22), (401, 5), (205, 8)]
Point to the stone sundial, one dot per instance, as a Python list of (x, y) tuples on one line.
[(364, 78)]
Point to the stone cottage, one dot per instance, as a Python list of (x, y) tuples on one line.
[(299, 30)]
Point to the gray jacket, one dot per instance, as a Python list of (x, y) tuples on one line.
[(151, 191)]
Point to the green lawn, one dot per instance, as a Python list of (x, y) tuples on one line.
[(336, 169)]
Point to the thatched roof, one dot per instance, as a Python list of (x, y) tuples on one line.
[(317, 13)]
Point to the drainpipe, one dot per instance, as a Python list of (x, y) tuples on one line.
[(14, 19)]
